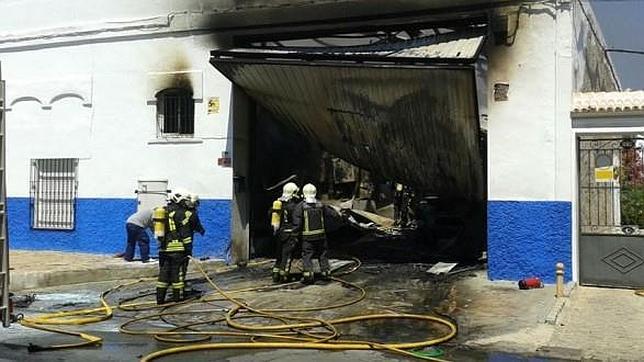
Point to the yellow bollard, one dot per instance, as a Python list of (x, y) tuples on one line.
[(559, 275)]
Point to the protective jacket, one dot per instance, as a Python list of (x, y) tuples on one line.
[(286, 218), (308, 220), (181, 224)]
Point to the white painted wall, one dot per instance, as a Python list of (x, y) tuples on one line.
[(112, 128), (529, 134)]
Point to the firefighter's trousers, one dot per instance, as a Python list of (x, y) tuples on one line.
[(288, 245), (315, 249), (170, 275)]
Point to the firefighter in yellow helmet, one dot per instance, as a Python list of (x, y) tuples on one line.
[(308, 220), (180, 224), (282, 224)]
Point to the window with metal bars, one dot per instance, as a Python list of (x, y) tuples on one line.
[(54, 183), (175, 112)]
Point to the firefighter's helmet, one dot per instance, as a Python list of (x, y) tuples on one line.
[(309, 192), (180, 195), (289, 191), (192, 201)]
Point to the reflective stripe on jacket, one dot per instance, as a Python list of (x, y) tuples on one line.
[(313, 215), (179, 230)]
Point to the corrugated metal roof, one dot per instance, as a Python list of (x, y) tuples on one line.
[(605, 102), (459, 47), (417, 125), (465, 48)]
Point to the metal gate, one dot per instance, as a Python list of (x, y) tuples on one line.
[(611, 210), (4, 242)]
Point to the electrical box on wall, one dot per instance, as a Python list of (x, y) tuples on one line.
[(151, 193), (225, 160)]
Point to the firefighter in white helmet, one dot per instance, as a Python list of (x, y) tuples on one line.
[(282, 224), (180, 224), (308, 221)]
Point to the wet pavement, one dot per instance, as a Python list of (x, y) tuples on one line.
[(402, 288), (43, 268)]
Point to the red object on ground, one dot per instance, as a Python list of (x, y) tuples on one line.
[(530, 283)]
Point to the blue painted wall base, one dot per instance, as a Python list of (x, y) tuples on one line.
[(100, 228), (527, 239)]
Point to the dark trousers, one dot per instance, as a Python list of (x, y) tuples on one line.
[(136, 234), (285, 252), (170, 274), (312, 249), (186, 261)]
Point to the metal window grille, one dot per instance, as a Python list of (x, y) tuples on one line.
[(175, 112), (54, 183)]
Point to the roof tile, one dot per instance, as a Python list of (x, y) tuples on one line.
[(602, 102)]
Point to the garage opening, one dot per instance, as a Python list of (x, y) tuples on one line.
[(388, 132)]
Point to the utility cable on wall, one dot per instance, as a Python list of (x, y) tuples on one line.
[(626, 51)]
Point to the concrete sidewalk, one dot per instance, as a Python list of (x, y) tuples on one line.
[(598, 324), (602, 324), (39, 269)]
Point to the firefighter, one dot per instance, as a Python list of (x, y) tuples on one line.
[(192, 203), (282, 223), (179, 227), (308, 221)]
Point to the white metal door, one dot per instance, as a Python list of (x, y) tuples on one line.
[(151, 194)]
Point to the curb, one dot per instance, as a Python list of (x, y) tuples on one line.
[(556, 309), (42, 279), (560, 303)]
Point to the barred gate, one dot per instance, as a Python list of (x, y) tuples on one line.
[(611, 210)]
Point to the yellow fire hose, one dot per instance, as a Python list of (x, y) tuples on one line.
[(291, 332)]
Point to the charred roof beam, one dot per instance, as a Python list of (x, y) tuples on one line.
[(249, 56), (408, 25)]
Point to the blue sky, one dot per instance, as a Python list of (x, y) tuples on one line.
[(622, 22)]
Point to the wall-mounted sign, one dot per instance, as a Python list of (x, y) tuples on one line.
[(604, 174), (213, 105)]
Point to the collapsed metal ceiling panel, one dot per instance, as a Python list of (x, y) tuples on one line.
[(454, 47), (414, 124)]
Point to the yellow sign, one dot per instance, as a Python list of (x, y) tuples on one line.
[(604, 174), (213, 105)]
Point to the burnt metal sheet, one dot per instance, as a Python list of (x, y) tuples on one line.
[(455, 47), (414, 124), (463, 48)]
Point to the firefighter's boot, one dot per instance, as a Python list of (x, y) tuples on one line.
[(325, 275), (276, 275), (307, 277), (161, 295), (177, 295), (284, 276)]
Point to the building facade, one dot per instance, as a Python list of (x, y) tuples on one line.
[(85, 111), (556, 50), (125, 94)]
